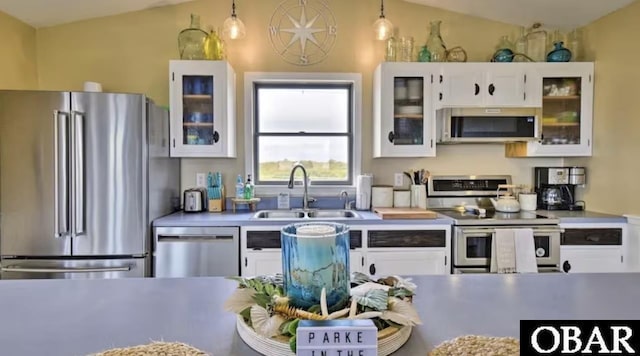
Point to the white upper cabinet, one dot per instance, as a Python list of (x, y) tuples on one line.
[(482, 85), (564, 91), (403, 115), (203, 115)]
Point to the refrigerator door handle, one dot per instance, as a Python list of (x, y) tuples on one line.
[(77, 134), (61, 173), (19, 269)]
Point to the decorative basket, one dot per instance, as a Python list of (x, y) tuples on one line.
[(389, 340)]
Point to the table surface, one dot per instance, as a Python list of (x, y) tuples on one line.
[(79, 317)]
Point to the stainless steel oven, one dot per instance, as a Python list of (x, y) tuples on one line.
[(472, 247)]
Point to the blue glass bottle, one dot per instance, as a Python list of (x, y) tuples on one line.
[(316, 256), (559, 53)]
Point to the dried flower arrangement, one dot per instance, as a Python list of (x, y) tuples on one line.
[(262, 304)]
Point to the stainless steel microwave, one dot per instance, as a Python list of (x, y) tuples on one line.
[(486, 125)]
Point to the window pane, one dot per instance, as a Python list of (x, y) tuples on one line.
[(324, 158), (303, 109)]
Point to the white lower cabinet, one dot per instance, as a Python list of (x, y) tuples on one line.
[(404, 262), (407, 250), (593, 248), (590, 259), (380, 250), (266, 262)]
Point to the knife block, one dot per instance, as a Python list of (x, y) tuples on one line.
[(217, 205)]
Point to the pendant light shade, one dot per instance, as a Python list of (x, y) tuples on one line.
[(233, 27), (382, 28)]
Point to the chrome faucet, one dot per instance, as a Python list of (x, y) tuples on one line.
[(305, 198), (347, 204)]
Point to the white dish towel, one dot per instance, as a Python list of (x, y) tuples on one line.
[(503, 252), (513, 251), (525, 251)]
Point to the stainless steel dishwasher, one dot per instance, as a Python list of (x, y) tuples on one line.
[(196, 251)]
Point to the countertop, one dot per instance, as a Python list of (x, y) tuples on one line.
[(78, 317), (582, 217), (228, 218)]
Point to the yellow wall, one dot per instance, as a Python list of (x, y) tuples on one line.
[(17, 54), (131, 53), (613, 170)]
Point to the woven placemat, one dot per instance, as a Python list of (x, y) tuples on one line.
[(155, 349), (478, 345)]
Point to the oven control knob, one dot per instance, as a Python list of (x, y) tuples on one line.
[(566, 266), (540, 252)]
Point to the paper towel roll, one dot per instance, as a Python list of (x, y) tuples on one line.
[(363, 191)]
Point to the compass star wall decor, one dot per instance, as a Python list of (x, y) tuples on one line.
[(303, 32)]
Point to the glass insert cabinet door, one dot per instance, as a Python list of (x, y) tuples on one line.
[(408, 111), (198, 119), (562, 110)]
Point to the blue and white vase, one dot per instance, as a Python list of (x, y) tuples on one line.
[(316, 256), (559, 53)]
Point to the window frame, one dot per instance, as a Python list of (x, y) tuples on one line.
[(343, 80)]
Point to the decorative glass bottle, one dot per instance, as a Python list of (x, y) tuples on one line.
[(214, 46), (435, 44), (504, 51), (559, 53), (390, 50), (520, 46), (315, 256), (537, 43), (191, 40)]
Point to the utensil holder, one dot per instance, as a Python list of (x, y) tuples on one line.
[(418, 196)]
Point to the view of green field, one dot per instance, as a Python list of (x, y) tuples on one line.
[(280, 170)]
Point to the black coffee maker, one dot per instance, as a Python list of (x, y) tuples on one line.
[(555, 187)]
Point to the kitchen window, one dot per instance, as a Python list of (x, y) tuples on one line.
[(312, 118)]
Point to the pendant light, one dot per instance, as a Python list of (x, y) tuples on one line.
[(383, 28), (233, 28)]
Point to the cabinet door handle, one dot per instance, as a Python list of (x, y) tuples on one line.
[(216, 136), (372, 269), (492, 89), (391, 136), (245, 262), (477, 89), (566, 266), (440, 78), (440, 96)]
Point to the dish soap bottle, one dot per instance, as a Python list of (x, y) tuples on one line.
[(248, 188), (239, 187)]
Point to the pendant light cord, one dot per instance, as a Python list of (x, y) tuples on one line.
[(233, 8), (382, 9)]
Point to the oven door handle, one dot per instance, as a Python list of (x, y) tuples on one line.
[(468, 232)]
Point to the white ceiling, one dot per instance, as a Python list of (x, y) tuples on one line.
[(42, 13), (562, 14)]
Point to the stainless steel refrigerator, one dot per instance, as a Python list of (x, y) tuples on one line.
[(82, 175)]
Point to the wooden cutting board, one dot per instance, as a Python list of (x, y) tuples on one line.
[(405, 213)]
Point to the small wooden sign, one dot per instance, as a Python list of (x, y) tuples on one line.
[(337, 338)]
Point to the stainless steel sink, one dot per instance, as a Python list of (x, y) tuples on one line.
[(329, 214), (279, 214), (332, 214)]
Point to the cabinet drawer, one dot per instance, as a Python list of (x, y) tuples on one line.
[(592, 237), (271, 239), (407, 238)]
